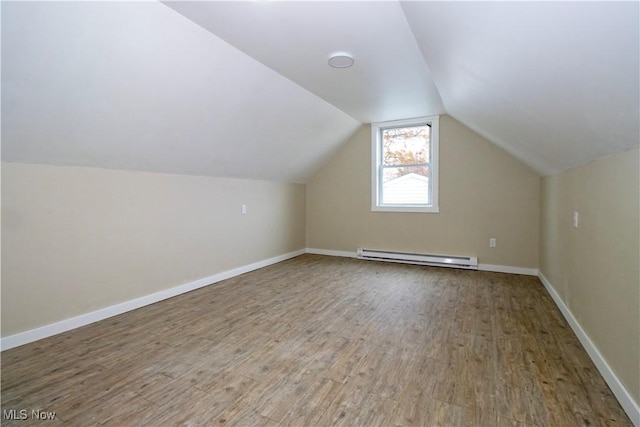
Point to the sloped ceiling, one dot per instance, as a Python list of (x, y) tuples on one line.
[(389, 79), (136, 86), (554, 83), (243, 89)]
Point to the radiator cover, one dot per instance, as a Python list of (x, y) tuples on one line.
[(469, 263)]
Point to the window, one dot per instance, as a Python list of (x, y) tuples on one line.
[(404, 171)]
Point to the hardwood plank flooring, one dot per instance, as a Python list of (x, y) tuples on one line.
[(321, 341)]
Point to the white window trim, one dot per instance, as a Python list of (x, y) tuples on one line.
[(376, 153)]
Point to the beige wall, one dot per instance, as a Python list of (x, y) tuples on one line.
[(595, 268), (75, 239), (484, 193)]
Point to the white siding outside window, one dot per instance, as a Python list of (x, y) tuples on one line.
[(412, 187)]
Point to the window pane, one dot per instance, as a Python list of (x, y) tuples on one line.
[(406, 145), (405, 185), (404, 167)]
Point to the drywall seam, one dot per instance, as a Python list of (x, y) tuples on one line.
[(620, 392), (32, 335)]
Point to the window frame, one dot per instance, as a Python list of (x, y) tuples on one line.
[(376, 165)]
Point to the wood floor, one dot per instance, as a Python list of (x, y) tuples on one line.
[(318, 341)]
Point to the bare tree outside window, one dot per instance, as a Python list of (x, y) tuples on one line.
[(405, 150)]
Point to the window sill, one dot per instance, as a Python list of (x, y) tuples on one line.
[(417, 209)]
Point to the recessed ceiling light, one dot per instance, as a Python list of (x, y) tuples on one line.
[(341, 60)]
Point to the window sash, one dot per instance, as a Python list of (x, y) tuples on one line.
[(382, 167), (379, 167)]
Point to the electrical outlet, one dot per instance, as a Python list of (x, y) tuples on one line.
[(576, 218), (243, 209), (492, 242)]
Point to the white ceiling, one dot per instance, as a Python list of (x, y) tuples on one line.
[(554, 83), (389, 79), (247, 92), (136, 86)]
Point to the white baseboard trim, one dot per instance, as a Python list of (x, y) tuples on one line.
[(508, 269), (630, 406), (482, 267), (344, 254), (46, 331)]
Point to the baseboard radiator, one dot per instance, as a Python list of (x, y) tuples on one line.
[(469, 263)]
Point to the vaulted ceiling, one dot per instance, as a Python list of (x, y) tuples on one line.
[(243, 89)]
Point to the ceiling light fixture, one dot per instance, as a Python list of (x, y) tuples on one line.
[(341, 60)]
